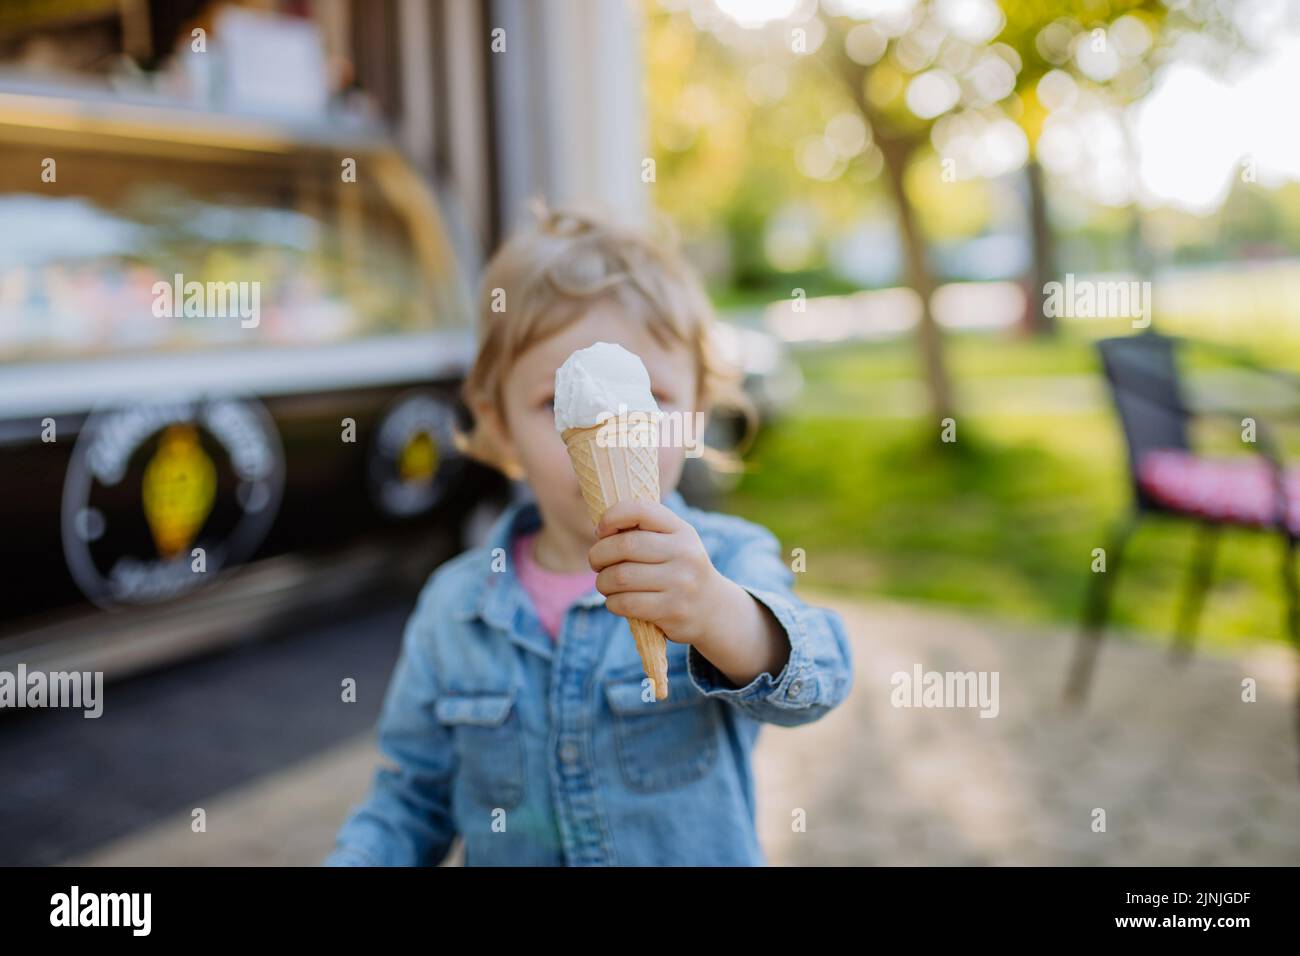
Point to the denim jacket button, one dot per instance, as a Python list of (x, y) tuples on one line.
[(569, 753), (795, 686)]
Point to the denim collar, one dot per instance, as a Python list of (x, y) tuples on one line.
[(500, 599)]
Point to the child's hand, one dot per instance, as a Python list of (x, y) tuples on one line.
[(652, 565)]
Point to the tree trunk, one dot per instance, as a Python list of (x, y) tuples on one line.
[(919, 277), (1042, 267)]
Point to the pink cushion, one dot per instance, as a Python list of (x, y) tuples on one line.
[(1238, 490)]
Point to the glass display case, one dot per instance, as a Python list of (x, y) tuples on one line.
[(223, 343)]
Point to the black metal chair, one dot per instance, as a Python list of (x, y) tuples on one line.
[(1142, 373)]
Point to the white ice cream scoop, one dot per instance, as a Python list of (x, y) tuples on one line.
[(600, 382)]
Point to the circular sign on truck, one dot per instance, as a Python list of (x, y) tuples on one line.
[(413, 441), (159, 497)]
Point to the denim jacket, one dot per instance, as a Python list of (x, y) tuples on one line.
[(542, 752)]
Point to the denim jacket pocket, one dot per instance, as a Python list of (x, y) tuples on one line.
[(662, 744), (488, 745)]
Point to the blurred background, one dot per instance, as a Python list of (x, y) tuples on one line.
[(924, 223)]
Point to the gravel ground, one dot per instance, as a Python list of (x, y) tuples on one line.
[(1185, 772)]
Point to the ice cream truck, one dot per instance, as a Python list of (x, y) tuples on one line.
[(230, 354)]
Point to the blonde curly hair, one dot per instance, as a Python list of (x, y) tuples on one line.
[(555, 269)]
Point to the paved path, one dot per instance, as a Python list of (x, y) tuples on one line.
[(1186, 772), (171, 740)]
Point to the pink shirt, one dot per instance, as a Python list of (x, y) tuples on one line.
[(552, 592)]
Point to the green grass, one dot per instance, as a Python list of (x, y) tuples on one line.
[(1002, 521), (983, 355)]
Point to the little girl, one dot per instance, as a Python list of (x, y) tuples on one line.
[(518, 715)]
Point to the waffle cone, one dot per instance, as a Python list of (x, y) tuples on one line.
[(622, 471)]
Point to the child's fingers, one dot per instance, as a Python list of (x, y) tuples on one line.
[(645, 605), (644, 547), (646, 515), (629, 576)]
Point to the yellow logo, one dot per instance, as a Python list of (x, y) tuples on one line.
[(179, 489), (419, 459)]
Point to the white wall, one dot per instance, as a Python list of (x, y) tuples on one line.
[(570, 117)]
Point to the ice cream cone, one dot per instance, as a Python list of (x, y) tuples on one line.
[(623, 467)]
